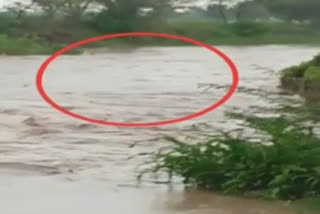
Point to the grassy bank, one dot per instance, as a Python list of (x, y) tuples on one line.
[(29, 39), (282, 161), (246, 32), (23, 46), (28, 46), (304, 79)]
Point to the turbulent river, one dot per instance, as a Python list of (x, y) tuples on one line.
[(52, 163)]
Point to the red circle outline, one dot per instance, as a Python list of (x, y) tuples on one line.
[(222, 100)]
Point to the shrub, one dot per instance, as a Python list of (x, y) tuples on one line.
[(304, 79), (248, 29), (288, 168), (106, 23), (312, 74), (6, 23), (201, 30), (299, 70), (21, 46)]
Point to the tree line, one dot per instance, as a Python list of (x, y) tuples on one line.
[(307, 10), (48, 18)]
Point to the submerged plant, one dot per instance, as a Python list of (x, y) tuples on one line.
[(283, 164)]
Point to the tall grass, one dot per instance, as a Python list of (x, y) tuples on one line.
[(22, 46), (18, 46), (284, 162)]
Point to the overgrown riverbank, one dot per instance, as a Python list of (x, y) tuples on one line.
[(268, 157), (304, 79), (23, 46), (28, 46), (274, 157), (281, 160), (211, 32), (254, 22)]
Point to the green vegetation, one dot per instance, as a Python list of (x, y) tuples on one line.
[(244, 23), (270, 157), (312, 73), (21, 46), (215, 33), (283, 163), (248, 29), (304, 79), (245, 32), (302, 113), (299, 70), (294, 9)]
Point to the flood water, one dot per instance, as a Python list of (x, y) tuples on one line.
[(52, 163)]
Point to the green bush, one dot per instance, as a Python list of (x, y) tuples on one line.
[(294, 71), (306, 72), (315, 61), (201, 30), (299, 70), (7, 23), (248, 29), (21, 46), (106, 23), (289, 168), (312, 74)]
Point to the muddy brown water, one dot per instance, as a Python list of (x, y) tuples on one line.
[(51, 163)]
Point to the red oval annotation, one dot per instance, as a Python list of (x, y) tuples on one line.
[(199, 113)]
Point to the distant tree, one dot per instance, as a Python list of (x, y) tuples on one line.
[(75, 8), (294, 9), (123, 15), (67, 7), (49, 7), (19, 9), (225, 7), (132, 8), (250, 10), (222, 5)]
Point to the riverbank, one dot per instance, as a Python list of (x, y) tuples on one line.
[(278, 160), (210, 32), (27, 46), (23, 46), (304, 79)]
